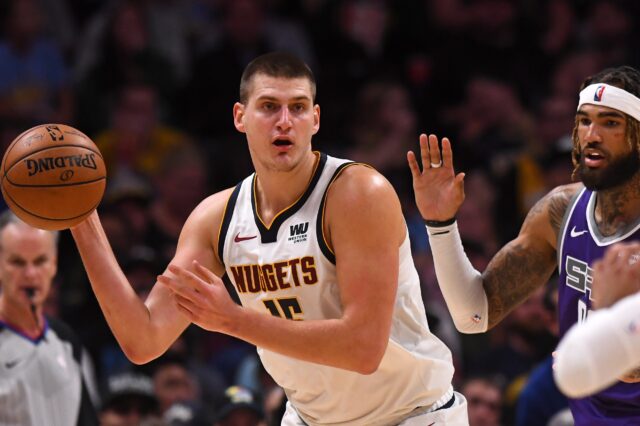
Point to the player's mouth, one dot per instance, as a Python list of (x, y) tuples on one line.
[(282, 144), (593, 157)]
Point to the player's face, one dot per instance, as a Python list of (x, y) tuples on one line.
[(606, 159), (279, 120), (27, 261)]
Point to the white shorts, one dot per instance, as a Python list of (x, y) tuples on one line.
[(456, 415)]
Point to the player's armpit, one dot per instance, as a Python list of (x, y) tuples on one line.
[(632, 376)]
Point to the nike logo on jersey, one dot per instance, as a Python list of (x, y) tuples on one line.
[(239, 239), (11, 364), (575, 233)]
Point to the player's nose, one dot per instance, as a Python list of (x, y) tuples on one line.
[(284, 119), (593, 133)]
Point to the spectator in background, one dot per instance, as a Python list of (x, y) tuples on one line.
[(246, 29), (180, 184), (129, 400), (173, 382), (34, 79), (518, 344), (540, 399), (46, 376), (484, 396), (138, 142), (384, 127), (119, 36), (239, 407)]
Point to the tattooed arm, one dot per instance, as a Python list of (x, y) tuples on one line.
[(528, 261)]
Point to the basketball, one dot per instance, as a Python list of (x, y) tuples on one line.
[(53, 176)]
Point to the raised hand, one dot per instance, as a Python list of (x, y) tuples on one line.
[(616, 275), (438, 190)]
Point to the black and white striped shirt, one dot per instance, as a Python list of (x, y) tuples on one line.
[(43, 380)]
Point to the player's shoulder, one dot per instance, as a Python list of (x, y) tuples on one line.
[(359, 179), (567, 191), (552, 208), (559, 198), (361, 188)]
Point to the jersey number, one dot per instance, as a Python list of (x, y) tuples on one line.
[(284, 308), (583, 311)]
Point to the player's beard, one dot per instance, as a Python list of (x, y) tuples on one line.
[(619, 171)]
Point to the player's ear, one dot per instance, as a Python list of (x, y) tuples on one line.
[(316, 118), (238, 116)]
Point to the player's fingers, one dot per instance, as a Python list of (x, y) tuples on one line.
[(185, 302), (630, 253), (447, 153), (189, 278), (435, 160), (187, 313), (178, 285), (205, 273), (413, 165), (611, 255), (424, 151)]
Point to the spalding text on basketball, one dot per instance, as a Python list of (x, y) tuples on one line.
[(87, 161)]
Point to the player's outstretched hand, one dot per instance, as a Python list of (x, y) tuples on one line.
[(616, 275), (201, 296), (438, 190)]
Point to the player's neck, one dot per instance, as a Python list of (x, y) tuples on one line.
[(277, 191), (618, 207), (22, 320)]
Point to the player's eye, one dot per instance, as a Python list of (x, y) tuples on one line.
[(269, 106), (298, 107)]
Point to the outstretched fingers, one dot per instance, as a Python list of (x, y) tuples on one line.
[(447, 153), (435, 159)]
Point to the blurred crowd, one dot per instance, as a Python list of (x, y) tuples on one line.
[(153, 82)]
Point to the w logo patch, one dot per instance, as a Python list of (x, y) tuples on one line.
[(298, 232), (299, 229), (599, 93)]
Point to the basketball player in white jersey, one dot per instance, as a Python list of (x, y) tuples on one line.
[(595, 354), (318, 252)]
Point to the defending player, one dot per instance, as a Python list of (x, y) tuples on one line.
[(569, 228), (318, 252)]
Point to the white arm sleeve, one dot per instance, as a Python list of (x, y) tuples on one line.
[(593, 355), (460, 283)]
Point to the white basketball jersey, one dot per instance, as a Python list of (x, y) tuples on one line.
[(287, 270)]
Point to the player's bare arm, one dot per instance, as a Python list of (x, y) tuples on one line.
[(364, 226), (528, 261), (145, 330)]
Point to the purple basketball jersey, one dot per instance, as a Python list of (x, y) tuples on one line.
[(579, 244)]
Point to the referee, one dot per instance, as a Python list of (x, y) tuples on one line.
[(43, 372)]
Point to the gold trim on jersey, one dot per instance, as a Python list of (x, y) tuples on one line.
[(255, 195)]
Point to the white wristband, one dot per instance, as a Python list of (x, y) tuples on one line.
[(460, 282)]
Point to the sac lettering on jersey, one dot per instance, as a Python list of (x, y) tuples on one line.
[(579, 275)]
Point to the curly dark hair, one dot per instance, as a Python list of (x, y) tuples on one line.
[(626, 78)]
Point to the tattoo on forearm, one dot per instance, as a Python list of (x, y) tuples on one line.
[(513, 274)]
